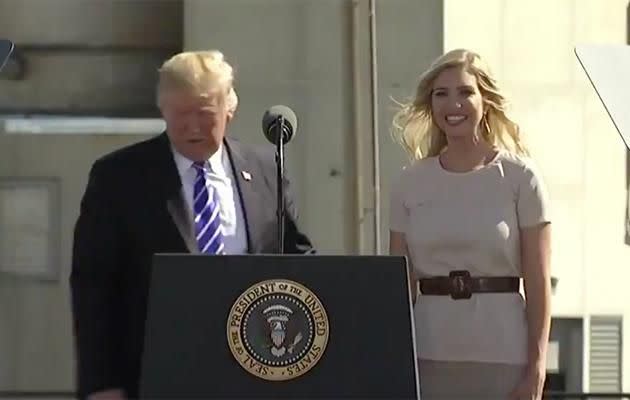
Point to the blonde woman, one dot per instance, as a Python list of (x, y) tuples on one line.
[(471, 214)]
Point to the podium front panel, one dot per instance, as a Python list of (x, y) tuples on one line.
[(279, 326)]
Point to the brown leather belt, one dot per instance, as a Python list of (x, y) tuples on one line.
[(460, 285)]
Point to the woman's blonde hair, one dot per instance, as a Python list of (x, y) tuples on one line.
[(419, 135), (204, 72)]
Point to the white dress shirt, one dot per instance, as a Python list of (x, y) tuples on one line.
[(220, 177)]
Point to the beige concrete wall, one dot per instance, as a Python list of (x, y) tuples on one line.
[(103, 75), (282, 55), (36, 346), (530, 46)]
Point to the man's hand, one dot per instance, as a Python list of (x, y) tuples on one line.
[(110, 394)]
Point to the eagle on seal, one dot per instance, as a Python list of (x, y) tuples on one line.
[(281, 331)]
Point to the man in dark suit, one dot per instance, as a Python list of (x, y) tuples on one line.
[(190, 189)]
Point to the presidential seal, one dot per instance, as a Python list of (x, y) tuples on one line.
[(277, 330)]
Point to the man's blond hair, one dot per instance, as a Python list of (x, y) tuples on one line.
[(206, 73)]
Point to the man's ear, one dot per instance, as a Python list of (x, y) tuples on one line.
[(229, 117)]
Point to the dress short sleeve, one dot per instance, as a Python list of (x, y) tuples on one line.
[(533, 206)]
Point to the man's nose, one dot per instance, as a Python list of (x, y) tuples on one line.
[(194, 123)]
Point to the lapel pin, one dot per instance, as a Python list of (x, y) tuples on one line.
[(246, 175)]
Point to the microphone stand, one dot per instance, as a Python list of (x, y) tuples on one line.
[(280, 176)]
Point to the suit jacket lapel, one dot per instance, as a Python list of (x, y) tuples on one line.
[(168, 178), (176, 207), (247, 181)]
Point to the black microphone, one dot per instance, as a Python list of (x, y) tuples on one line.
[(279, 125), (6, 48), (279, 118)]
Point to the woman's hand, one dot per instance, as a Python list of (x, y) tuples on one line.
[(532, 385)]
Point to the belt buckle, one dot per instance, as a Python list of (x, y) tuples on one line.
[(460, 285)]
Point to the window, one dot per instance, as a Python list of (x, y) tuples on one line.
[(605, 359)]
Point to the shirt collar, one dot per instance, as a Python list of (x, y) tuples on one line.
[(215, 162)]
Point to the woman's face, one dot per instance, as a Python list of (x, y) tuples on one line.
[(457, 103)]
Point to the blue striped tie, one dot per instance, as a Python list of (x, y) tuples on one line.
[(208, 229)]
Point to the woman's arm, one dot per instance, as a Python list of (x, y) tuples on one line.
[(536, 255), (535, 260), (398, 247)]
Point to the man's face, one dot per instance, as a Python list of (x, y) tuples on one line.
[(195, 124)]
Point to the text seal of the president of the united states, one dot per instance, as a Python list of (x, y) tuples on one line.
[(277, 330)]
